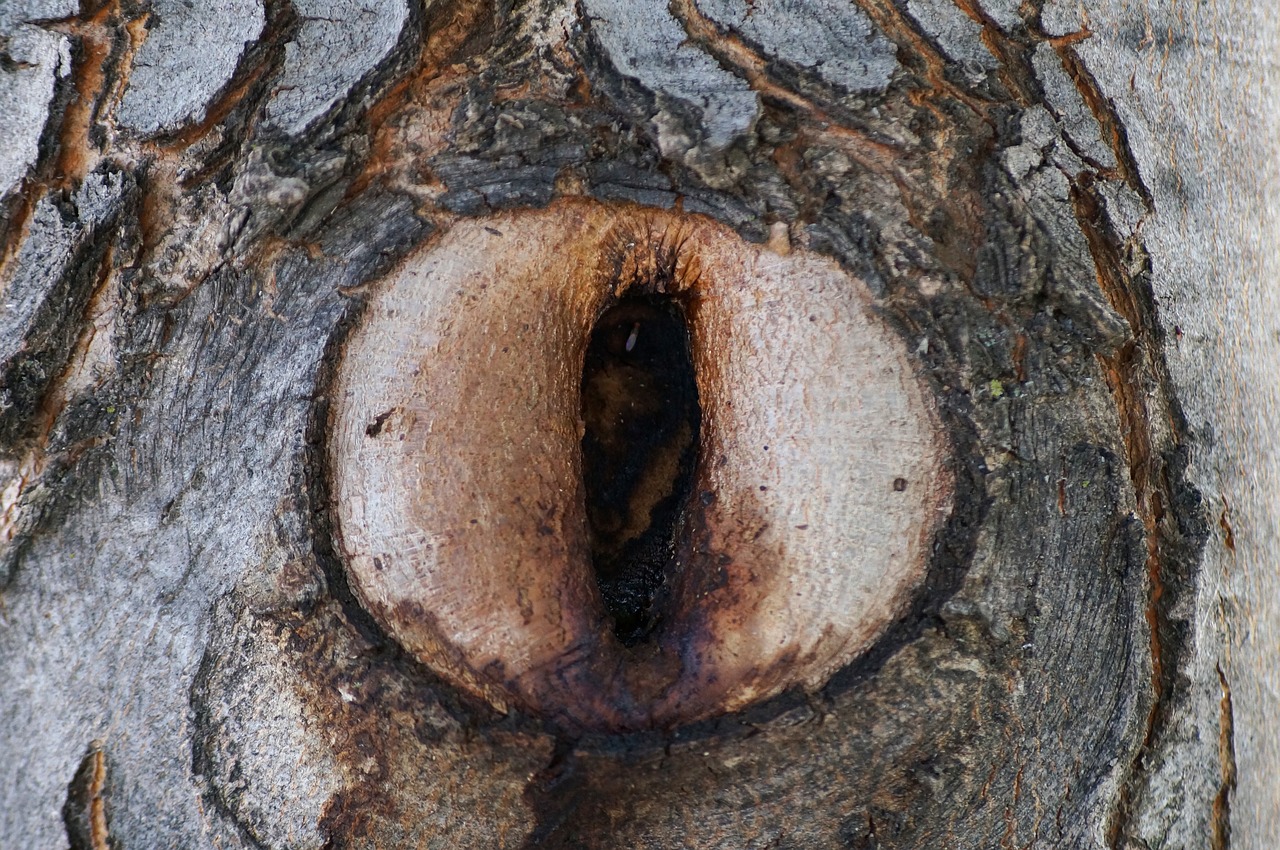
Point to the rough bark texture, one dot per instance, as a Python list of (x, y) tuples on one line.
[(1067, 211)]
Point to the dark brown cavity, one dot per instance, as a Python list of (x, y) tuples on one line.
[(639, 450)]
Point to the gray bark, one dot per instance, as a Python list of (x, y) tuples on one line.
[(1067, 210)]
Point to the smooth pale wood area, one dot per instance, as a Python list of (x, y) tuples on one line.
[(456, 466)]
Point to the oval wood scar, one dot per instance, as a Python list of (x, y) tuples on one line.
[(455, 457)]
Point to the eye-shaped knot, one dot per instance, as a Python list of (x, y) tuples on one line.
[(621, 469)]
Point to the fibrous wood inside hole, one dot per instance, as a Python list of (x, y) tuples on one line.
[(639, 449)]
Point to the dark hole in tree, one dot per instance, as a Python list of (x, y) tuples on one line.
[(639, 450)]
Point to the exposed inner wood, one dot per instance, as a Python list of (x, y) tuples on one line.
[(466, 518)]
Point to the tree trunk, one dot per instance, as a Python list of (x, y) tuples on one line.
[(1028, 247)]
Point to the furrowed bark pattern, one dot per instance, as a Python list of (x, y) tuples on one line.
[(186, 273)]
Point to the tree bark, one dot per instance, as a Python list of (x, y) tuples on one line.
[(1063, 214)]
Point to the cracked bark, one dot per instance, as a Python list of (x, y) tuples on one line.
[(1065, 210)]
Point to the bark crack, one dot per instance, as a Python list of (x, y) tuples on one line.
[(1221, 817), (1151, 430), (1113, 132), (84, 813), (732, 52)]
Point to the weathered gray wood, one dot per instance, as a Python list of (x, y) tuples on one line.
[(166, 89), (709, 108), (1206, 148), (31, 61), (336, 44), (1066, 210), (835, 41)]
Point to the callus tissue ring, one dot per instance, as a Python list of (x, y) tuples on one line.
[(456, 466)]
